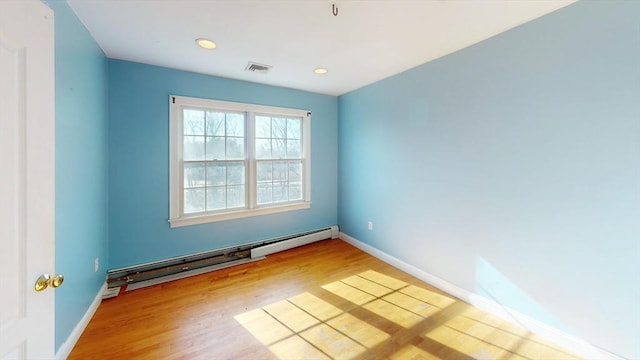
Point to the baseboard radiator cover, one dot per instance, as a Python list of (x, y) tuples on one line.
[(292, 241), (155, 272)]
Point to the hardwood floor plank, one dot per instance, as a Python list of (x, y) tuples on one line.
[(326, 300)]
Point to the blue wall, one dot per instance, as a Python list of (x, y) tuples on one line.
[(509, 168), (139, 164), (512, 169), (81, 168)]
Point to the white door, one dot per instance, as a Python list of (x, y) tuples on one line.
[(26, 179)]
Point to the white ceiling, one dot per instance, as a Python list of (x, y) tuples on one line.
[(367, 41)]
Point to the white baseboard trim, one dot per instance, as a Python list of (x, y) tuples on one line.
[(64, 350), (566, 341)]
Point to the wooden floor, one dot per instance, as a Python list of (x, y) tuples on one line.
[(326, 300)]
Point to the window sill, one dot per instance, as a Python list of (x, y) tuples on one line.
[(239, 214)]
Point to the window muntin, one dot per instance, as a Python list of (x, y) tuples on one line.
[(231, 160)]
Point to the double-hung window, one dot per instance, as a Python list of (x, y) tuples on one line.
[(232, 160)]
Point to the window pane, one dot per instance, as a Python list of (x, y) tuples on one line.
[(294, 149), (193, 122), (263, 148), (216, 174), (264, 170), (279, 150), (235, 196), (235, 148), (193, 200), (216, 198), (215, 123), (263, 126), (279, 171), (193, 148), (215, 148), (235, 173), (194, 175), (264, 193), (295, 171), (235, 124), (295, 191), (280, 192), (279, 128), (293, 128)]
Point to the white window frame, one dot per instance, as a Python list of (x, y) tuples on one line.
[(177, 217)]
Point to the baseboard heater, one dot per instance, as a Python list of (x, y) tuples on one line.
[(138, 276)]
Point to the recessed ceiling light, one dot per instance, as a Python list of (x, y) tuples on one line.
[(206, 44), (320, 71)]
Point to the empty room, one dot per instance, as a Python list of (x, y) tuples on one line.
[(309, 179)]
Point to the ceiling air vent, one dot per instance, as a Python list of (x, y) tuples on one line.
[(258, 68)]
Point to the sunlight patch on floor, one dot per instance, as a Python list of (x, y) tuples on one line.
[(320, 309), (384, 280), (291, 316), (349, 293), (393, 313), (367, 286), (296, 348), (476, 333), (412, 352), (468, 345), (428, 296), (412, 304), (332, 342), (306, 326), (358, 330), (263, 326)]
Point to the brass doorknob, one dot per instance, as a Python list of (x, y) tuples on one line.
[(56, 281), (45, 280)]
